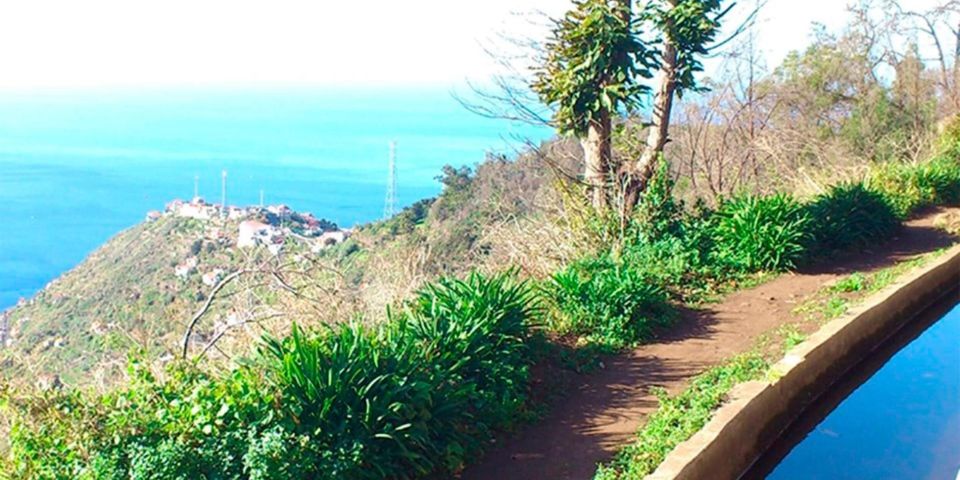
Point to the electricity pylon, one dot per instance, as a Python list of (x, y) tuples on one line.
[(390, 202)]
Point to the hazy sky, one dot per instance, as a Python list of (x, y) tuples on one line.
[(70, 43)]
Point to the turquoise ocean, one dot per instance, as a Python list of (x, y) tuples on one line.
[(78, 167)]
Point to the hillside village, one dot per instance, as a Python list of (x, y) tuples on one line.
[(270, 226), (273, 228), (267, 226)]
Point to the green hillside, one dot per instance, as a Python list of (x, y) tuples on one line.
[(126, 296)]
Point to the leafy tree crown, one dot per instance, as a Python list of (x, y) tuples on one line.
[(593, 60)]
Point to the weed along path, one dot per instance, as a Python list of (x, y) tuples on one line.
[(603, 409)]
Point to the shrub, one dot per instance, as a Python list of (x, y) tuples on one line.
[(754, 233), (478, 330), (658, 214), (352, 403), (667, 261), (611, 303), (910, 187), (417, 395), (188, 426), (850, 215)]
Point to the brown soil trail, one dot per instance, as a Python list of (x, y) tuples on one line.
[(604, 409)]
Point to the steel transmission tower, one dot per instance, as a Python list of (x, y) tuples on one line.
[(390, 203), (223, 194)]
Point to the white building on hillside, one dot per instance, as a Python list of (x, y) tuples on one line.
[(330, 238), (253, 233), (211, 278), (186, 268)]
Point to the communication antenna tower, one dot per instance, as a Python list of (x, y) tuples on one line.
[(390, 203), (223, 194), (196, 186)]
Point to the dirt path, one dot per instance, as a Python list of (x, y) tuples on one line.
[(606, 407)]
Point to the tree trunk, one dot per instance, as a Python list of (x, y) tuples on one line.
[(638, 175), (596, 161)]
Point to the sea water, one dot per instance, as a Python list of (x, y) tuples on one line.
[(78, 167)]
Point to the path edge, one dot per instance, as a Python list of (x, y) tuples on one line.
[(757, 412)]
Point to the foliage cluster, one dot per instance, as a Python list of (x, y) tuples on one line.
[(416, 395), (609, 303), (756, 233), (619, 294), (592, 65), (911, 187), (851, 215)]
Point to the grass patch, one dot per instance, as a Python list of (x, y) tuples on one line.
[(853, 283), (835, 300), (791, 335), (606, 303)]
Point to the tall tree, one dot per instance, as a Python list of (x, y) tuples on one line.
[(687, 30), (940, 26), (592, 67)]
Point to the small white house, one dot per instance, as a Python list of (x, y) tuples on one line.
[(192, 210), (236, 213), (280, 210), (333, 237), (212, 277), (153, 216), (253, 233), (184, 269), (174, 206)]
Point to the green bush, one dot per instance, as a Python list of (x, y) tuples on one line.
[(189, 426), (668, 261), (352, 395), (478, 329), (910, 187), (404, 399), (658, 214), (610, 303), (754, 233), (850, 215)]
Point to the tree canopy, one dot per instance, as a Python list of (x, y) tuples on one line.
[(594, 64)]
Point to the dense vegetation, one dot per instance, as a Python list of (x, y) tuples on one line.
[(618, 296), (122, 297), (126, 296), (411, 396)]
